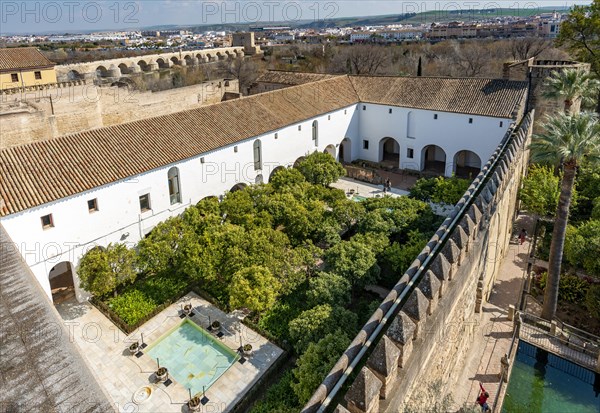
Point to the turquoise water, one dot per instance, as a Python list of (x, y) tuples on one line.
[(541, 382), (193, 357), (358, 198)]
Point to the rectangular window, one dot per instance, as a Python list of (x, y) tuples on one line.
[(501, 124), (390, 111), (202, 160), (235, 149), (47, 221), (365, 144), (435, 116), (14, 77), (92, 205), (410, 153), (299, 127), (364, 107), (345, 111), (145, 203), (328, 117), (38, 75), (470, 120), (276, 136)]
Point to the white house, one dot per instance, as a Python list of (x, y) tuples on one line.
[(61, 197)]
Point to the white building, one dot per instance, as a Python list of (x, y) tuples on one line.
[(61, 197)]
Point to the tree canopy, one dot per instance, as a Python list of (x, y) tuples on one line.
[(254, 288), (321, 169), (540, 190)]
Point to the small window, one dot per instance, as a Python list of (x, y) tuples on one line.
[(299, 127), (202, 160), (38, 75), (145, 203), (328, 117), (47, 221), (14, 77), (390, 111), (410, 153), (501, 124), (235, 149), (435, 116), (345, 111), (365, 144), (92, 205), (276, 135), (470, 120), (364, 107)]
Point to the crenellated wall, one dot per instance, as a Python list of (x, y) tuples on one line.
[(423, 330)]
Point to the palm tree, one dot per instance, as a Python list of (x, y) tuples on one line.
[(570, 84), (569, 139)]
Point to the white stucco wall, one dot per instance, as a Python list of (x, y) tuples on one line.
[(119, 219)]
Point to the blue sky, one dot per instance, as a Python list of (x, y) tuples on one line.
[(63, 16)]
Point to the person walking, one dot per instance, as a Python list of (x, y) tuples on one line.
[(483, 398), (523, 236)]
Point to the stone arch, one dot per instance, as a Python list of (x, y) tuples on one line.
[(345, 152), (330, 149), (124, 69), (189, 60), (389, 151), (175, 60), (145, 67), (238, 187), (62, 282), (433, 159), (259, 179), (467, 164), (162, 63), (299, 161), (220, 56), (275, 171), (74, 75), (228, 55), (102, 71), (210, 57)]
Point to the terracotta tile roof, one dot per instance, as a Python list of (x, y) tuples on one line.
[(292, 78), (22, 58), (485, 97), (37, 173), (40, 172)]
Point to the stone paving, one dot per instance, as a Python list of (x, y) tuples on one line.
[(106, 349), (495, 330), (365, 189)]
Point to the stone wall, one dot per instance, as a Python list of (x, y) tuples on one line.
[(51, 112), (423, 329)]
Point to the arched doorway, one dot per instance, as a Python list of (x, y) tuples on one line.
[(62, 284), (189, 61), (144, 66), (467, 164), (275, 171), (175, 61), (238, 187), (162, 64), (345, 152), (330, 149), (299, 161), (101, 71), (433, 159), (389, 151)]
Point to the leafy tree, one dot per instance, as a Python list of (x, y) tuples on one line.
[(580, 33), (582, 246), (399, 256), (354, 261), (287, 178), (540, 190), (253, 288), (348, 212), (328, 288), (313, 324), (592, 300), (161, 251), (570, 85), (280, 397), (316, 362), (321, 169), (568, 141), (588, 191), (238, 207), (440, 189), (101, 270)]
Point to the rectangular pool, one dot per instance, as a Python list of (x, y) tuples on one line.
[(541, 382), (193, 357)]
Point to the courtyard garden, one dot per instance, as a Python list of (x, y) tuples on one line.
[(294, 254)]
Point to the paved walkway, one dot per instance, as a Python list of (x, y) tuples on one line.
[(495, 330)]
